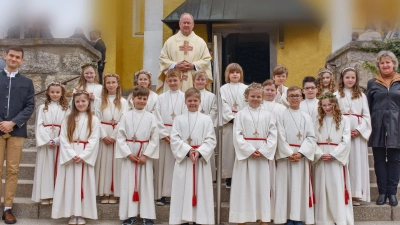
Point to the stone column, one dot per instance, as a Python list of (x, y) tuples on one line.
[(341, 23), (153, 36)]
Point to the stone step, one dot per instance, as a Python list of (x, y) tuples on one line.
[(26, 208), (24, 188), (375, 193), (371, 160), (372, 176), (29, 156)]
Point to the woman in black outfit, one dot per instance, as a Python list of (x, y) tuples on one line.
[(383, 94)]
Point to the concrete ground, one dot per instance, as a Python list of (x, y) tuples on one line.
[(116, 222)]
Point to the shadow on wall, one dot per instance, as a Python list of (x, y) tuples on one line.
[(2, 64)]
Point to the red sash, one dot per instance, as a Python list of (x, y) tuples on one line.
[(57, 151), (356, 115), (234, 111), (311, 198), (83, 165), (110, 124), (346, 192), (168, 125), (112, 174), (255, 139), (326, 143), (135, 196), (194, 197)]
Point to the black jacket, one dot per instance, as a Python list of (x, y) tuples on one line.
[(384, 106), (17, 102), (101, 47)]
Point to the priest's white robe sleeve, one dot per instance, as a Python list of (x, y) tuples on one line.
[(341, 152), (89, 155), (151, 150), (365, 127), (42, 137)]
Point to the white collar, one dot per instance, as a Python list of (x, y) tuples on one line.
[(12, 74)]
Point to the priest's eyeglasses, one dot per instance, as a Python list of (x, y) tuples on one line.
[(294, 96)]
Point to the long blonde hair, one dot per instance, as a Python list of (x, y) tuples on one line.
[(104, 94), (71, 120), (337, 114)]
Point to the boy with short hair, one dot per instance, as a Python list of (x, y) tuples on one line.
[(310, 104), (208, 105), (296, 148), (280, 75), (192, 143), (137, 147), (169, 105)]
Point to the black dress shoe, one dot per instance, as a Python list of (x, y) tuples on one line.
[(393, 200), (382, 199)]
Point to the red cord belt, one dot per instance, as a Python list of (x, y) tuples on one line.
[(135, 196)]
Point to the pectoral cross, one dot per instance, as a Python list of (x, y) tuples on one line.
[(173, 115), (189, 140), (134, 138), (350, 111), (235, 105), (185, 47), (113, 122), (299, 136), (329, 140), (256, 134)]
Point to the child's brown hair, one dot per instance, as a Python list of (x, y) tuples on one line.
[(233, 67), (71, 120), (192, 92), (332, 85), (104, 93), (280, 69), (82, 83), (63, 100), (356, 88)]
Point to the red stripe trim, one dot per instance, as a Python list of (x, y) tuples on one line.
[(356, 115), (234, 111), (57, 151), (326, 143), (255, 139), (168, 125)]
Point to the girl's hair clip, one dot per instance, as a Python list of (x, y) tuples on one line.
[(92, 64)]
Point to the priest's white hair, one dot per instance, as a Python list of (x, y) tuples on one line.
[(191, 16)]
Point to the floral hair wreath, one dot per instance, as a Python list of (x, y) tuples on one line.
[(92, 64), (143, 72), (327, 96), (349, 68), (325, 71), (81, 92), (55, 83), (111, 75)]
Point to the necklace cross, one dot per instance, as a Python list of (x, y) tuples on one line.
[(113, 122), (185, 47), (173, 115), (256, 134), (235, 105), (329, 140), (299, 136), (189, 140)]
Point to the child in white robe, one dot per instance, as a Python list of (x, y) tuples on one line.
[(89, 81), (255, 138), (137, 147), (310, 104), (109, 110), (143, 78), (276, 109), (75, 190), (208, 105), (331, 177), (296, 146), (280, 74), (326, 82), (354, 105), (232, 95), (49, 118), (192, 143), (169, 105)]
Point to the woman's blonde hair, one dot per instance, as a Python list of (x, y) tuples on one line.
[(390, 54), (337, 114)]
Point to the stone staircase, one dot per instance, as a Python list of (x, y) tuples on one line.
[(25, 208)]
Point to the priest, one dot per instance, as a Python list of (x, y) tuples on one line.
[(186, 52)]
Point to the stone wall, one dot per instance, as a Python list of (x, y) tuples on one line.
[(48, 60), (351, 55)]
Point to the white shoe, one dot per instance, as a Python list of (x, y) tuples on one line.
[(73, 220), (45, 202), (81, 220), (112, 200), (105, 200)]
